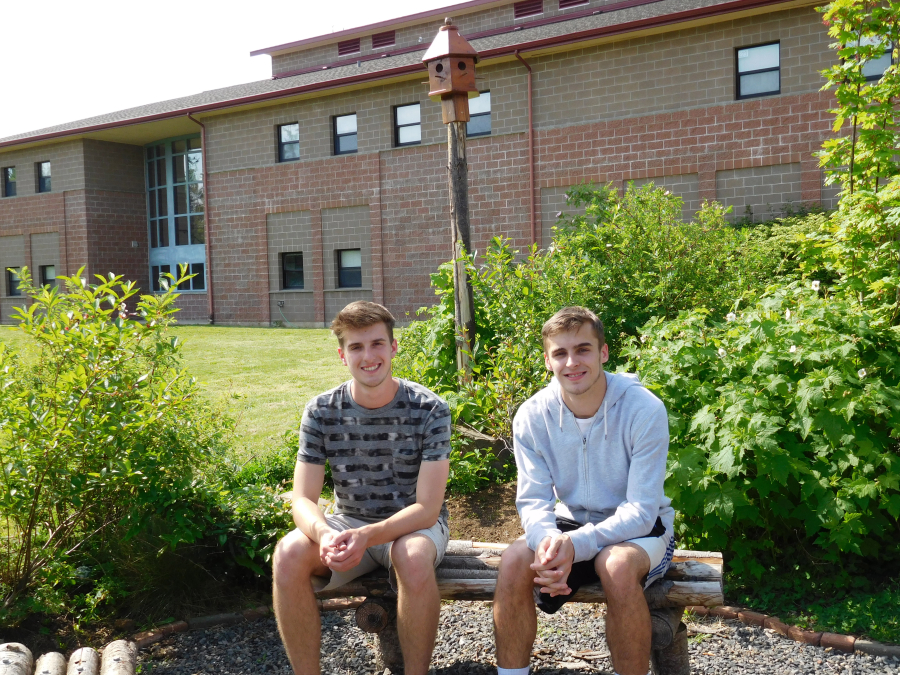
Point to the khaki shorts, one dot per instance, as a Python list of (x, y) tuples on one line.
[(380, 555)]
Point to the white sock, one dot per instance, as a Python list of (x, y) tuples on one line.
[(513, 671)]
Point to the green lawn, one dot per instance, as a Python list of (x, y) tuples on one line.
[(263, 375)]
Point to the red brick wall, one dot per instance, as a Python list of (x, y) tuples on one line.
[(409, 212)]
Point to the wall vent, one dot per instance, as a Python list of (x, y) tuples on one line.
[(382, 40), (565, 4), (348, 47), (528, 8)]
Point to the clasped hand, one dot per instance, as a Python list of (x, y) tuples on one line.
[(553, 563), (342, 551)]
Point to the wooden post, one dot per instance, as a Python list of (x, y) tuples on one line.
[(51, 663), (119, 658), (389, 654), (674, 659), (451, 76), (84, 661), (463, 298)]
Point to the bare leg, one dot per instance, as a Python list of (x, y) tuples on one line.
[(515, 616), (296, 561), (418, 600), (621, 568)]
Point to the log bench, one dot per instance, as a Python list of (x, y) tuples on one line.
[(469, 572), (119, 658)]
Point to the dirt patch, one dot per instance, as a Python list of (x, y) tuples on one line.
[(487, 515)]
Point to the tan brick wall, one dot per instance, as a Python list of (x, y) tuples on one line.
[(680, 70), (44, 251), (686, 186), (422, 33), (12, 254), (345, 228), (66, 167), (291, 232), (764, 189), (114, 166)]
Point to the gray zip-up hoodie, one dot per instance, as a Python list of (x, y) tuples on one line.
[(612, 483)]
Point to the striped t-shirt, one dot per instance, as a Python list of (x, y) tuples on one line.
[(375, 453)]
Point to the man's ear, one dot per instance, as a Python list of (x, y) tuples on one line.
[(547, 362), (604, 353), (394, 347), (341, 356)]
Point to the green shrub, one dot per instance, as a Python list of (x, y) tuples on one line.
[(785, 427), (628, 258), (103, 439)]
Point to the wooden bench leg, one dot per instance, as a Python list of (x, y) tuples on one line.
[(674, 659), (379, 616)]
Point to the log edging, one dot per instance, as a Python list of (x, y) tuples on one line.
[(836, 641)]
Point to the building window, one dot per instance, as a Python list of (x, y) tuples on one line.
[(156, 276), (198, 282), (292, 270), (43, 176), (873, 69), (407, 125), (346, 47), (288, 142), (758, 71), (349, 268), (48, 275), (565, 4), (345, 134), (479, 123), (175, 210), (12, 281), (9, 181), (528, 8), (382, 40)]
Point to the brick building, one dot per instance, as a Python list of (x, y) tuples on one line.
[(327, 183)]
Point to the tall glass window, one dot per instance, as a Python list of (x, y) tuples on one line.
[(175, 209), (479, 123), (43, 176)]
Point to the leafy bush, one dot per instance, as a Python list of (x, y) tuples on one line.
[(104, 439), (785, 427), (628, 258)]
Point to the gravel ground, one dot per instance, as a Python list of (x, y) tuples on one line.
[(568, 642)]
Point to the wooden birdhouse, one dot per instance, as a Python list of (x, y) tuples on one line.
[(451, 72)]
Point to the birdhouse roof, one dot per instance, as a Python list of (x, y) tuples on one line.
[(449, 42)]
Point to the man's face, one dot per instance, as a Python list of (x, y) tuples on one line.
[(576, 359), (367, 352)]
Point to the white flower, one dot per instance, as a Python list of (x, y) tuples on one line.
[(731, 316), (643, 339), (790, 387), (815, 285), (861, 372), (667, 193), (609, 246), (793, 349), (722, 352), (787, 314)]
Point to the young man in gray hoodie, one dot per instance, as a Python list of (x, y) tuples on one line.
[(591, 455)]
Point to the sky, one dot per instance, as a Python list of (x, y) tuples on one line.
[(67, 60)]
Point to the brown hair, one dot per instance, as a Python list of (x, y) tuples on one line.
[(569, 320), (361, 314)]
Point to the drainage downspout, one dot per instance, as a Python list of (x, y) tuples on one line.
[(209, 277), (531, 189)]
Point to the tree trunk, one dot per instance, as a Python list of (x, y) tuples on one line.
[(463, 299)]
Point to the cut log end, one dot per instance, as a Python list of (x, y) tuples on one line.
[(84, 661), (372, 616), (15, 659), (52, 663), (119, 658)]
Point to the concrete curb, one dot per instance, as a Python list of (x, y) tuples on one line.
[(836, 641)]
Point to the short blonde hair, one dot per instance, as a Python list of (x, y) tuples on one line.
[(569, 320), (362, 314)]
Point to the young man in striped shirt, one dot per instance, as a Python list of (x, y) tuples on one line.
[(388, 443), (591, 456)]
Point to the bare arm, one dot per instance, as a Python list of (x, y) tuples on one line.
[(308, 482)]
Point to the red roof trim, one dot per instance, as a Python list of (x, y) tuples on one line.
[(420, 16), (593, 33)]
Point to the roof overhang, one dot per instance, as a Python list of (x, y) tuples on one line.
[(143, 130)]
